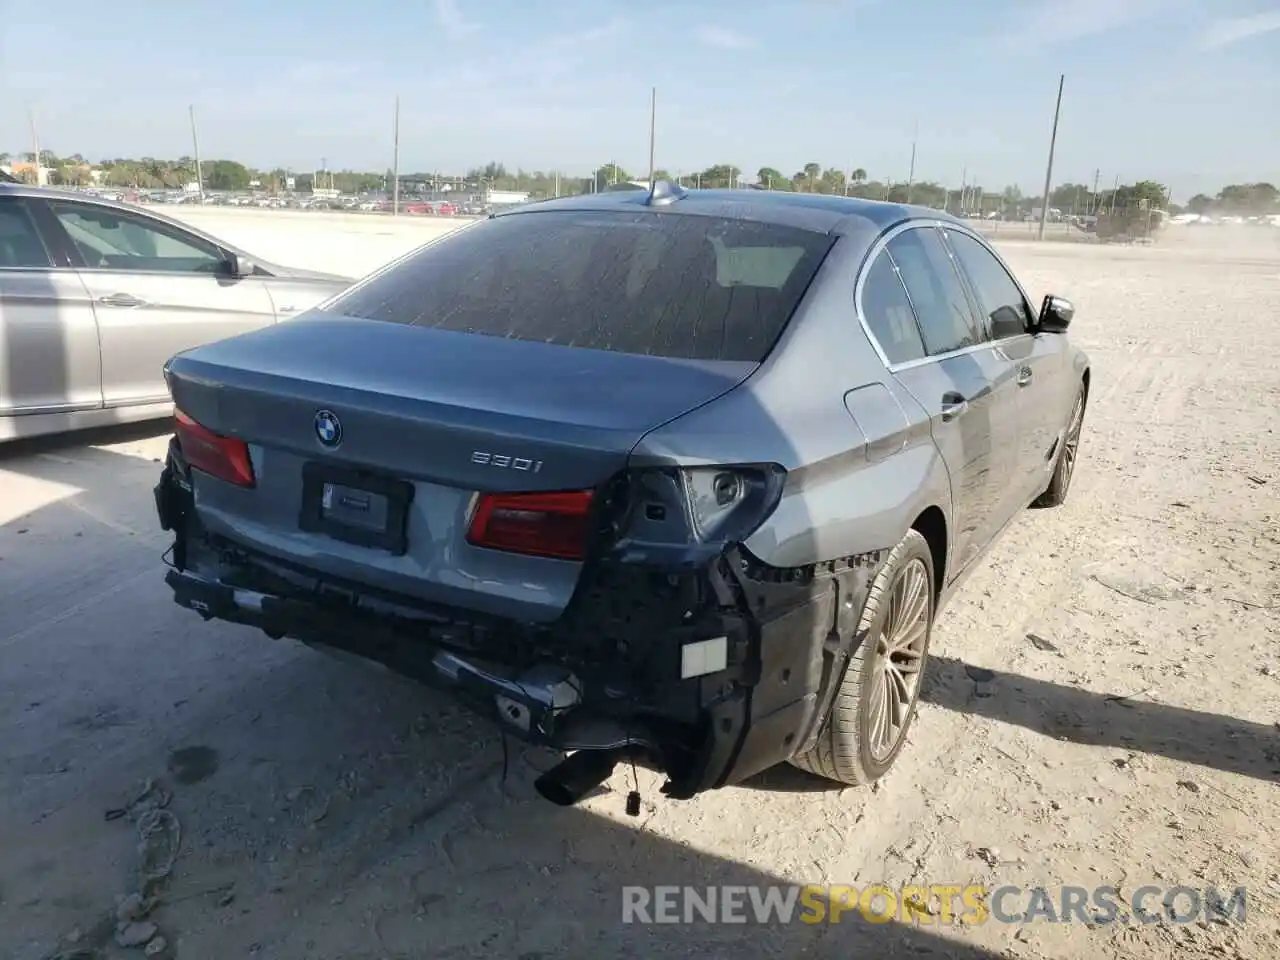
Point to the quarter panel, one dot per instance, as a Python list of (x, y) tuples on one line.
[(291, 296)]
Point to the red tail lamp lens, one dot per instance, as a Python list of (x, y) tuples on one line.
[(223, 457), (534, 524)]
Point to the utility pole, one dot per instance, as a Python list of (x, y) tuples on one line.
[(911, 173), (195, 146), (1093, 203), (557, 183), (1111, 208), (35, 144), (653, 112), (395, 160), (964, 188), (1048, 172)]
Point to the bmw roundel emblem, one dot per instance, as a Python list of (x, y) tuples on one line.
[(328, 428)]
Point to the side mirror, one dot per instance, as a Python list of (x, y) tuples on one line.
[(238, 265), (1055, 315), (1007, 322)]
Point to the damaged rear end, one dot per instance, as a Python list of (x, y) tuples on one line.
[(436, 474)]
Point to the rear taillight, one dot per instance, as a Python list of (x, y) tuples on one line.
[(535, 524), (223, 457)]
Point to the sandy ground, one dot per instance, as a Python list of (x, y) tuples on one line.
[(1103, 707), (344, 243)]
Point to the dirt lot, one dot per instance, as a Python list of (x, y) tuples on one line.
[(350, 244), (1103, 710)]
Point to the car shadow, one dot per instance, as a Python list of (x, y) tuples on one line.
[(1114, 720), (86, 441), (106, 683), (1118, 720)]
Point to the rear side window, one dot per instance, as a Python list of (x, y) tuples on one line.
[(946, 320), (888, 312), (663, 284), (20, 243)]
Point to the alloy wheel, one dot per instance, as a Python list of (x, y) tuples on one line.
[(1071, 444), (900, 651)]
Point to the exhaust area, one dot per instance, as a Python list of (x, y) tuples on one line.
[(577, 775)]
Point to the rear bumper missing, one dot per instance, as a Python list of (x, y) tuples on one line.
[(612, 674)]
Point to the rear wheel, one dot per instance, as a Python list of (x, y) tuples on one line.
[(1056, 493), (877, 697)]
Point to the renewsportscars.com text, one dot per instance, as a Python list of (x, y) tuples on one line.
[(944, 904)]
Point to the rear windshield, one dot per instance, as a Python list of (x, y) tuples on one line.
[(657, 283)]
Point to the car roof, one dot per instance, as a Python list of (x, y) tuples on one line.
[(811, 211)]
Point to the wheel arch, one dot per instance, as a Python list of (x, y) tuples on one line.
[(932, 525)]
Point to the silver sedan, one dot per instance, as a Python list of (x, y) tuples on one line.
[(95, 296)]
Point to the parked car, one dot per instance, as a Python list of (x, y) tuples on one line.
[(419, 208), (95, 296), (686, 475), (446, 209)]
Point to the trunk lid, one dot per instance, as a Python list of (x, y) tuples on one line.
[(452, 414), (419, 403)]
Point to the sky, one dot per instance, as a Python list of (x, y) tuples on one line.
[(1186, 92)]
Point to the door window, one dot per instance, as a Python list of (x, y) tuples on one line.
[(999, 298), (20, 243), (109, 239), (941, 305), (888, 312)]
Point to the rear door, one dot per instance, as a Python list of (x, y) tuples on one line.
[(157, 290), (48, 337), (966, 388), (1039, 360)]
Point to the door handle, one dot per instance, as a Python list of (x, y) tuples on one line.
[(1024, 376), (121, 300), (953, 405)]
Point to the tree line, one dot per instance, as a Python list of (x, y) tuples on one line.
[(1070, 198)]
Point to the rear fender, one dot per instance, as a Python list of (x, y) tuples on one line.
[(861, 467)]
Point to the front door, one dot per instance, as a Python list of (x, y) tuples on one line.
[(157, 291), (1037, 360)]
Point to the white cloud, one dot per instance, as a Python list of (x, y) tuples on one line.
[(724, 38), (1224, 33), (451, 20), (1061, 21)]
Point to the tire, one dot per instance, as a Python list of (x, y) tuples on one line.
[(1056, 493), (849, 748)]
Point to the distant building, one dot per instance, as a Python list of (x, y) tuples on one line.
[(497, 198), (27, 172)]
